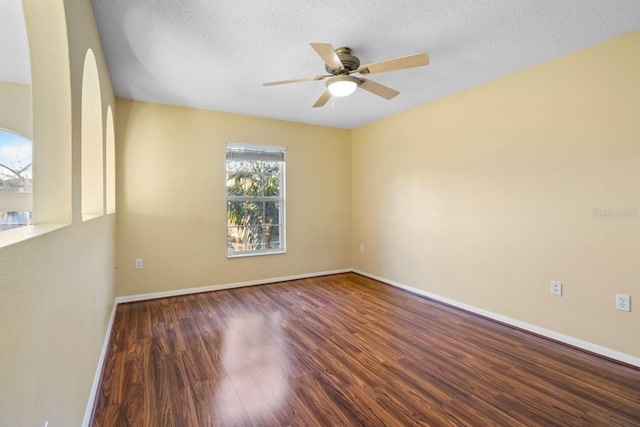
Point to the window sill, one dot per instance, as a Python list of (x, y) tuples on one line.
[(89, 217), (16, 235), (249, 254)]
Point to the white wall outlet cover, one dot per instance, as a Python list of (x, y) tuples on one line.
[(138, 263), (556, 288), (623, 302)]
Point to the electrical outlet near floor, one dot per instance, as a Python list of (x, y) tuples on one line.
[(556, 288), (623, 302)]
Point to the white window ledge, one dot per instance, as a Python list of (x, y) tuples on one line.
[(16, 235), (250, 254), (89, 217)]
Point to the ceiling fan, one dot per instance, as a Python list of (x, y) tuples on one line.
[(341, 64)]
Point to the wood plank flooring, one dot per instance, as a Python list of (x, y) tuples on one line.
[(345, 350)]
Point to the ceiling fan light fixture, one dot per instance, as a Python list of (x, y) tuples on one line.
[(342, 85)]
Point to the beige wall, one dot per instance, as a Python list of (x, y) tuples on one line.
[(486, 196), (57, 288), (15, 108), (171, 197)]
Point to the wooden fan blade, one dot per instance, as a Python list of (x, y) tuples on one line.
[(328, 55), (326, 95), (284, 82), (378, 89), (417, 60)]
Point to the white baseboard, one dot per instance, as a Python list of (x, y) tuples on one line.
[(96, 378), (177, 292), (575, 342)]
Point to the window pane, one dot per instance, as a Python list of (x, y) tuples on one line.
[(15, 163), (254, 179), (272, 183), (235, 240), (236, 183), (15, 177), (245, 238), (235, 213), (271, 237), (271, 179), (254, 213), (272, 213), (10, 220), (255, 237)]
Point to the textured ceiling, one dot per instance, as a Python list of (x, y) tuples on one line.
[(216, 54), (14, 48)]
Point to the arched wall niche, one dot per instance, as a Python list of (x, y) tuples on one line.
[(91, 141)]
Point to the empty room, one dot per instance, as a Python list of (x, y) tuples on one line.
[(410, 213)]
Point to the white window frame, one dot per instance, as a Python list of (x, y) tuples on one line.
[(250, 150)]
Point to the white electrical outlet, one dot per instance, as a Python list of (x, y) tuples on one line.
[(556, 288), (361, 248), (139, 264), (623, 302)]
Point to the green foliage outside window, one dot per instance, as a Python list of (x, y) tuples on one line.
[(253, 205)]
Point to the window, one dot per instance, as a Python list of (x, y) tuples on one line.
[(255, 200), (15, 181)]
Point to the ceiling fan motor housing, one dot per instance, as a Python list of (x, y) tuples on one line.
[(349, 61)]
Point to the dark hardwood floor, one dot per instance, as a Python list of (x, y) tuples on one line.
[(346, 350)]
